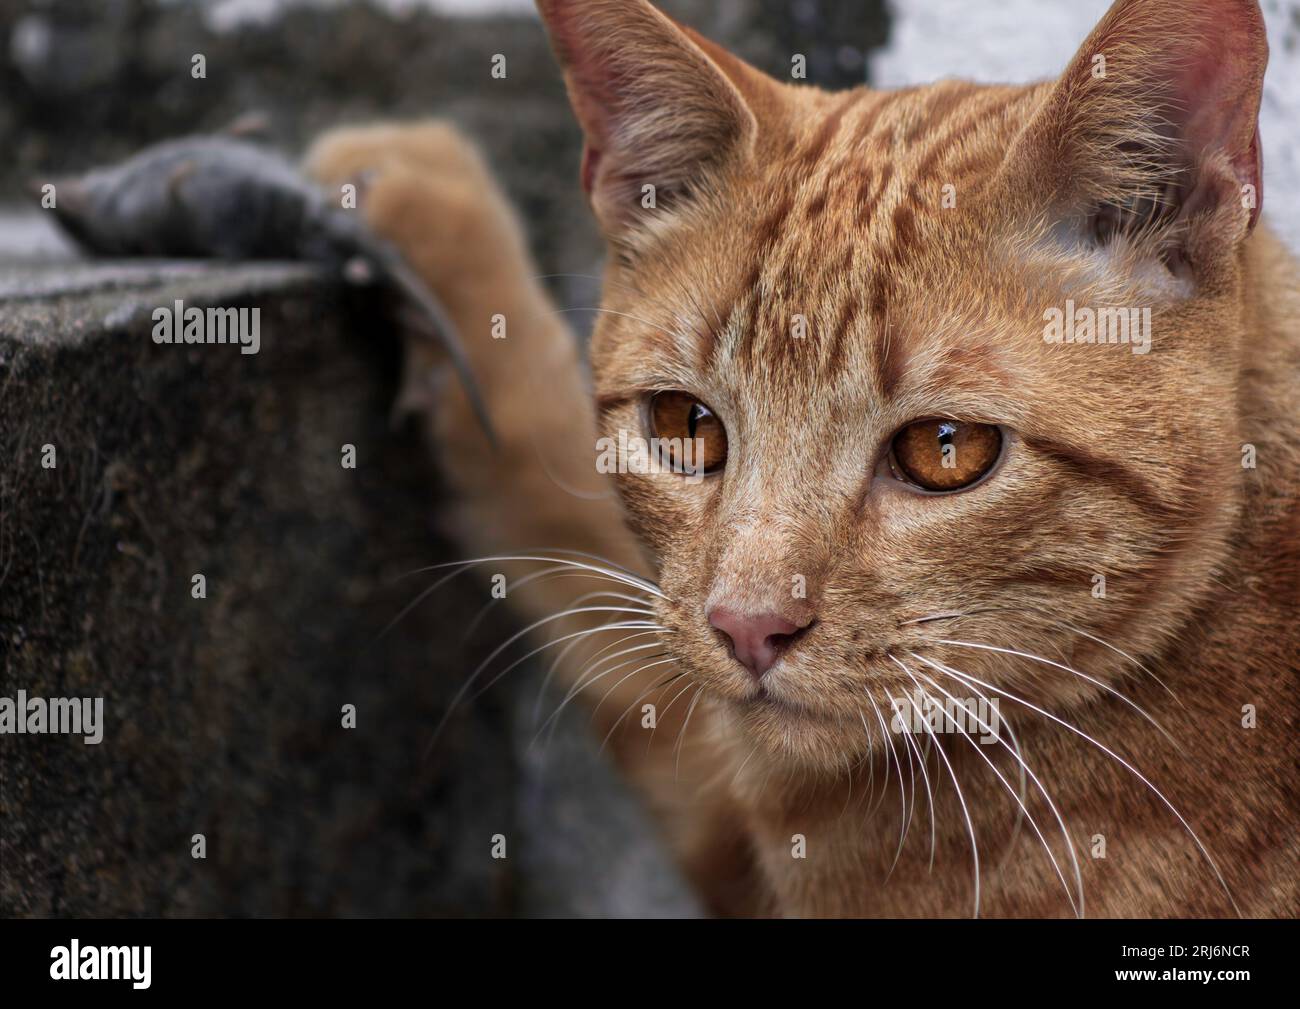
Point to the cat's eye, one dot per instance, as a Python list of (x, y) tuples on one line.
[(944, 455), (691, 437)]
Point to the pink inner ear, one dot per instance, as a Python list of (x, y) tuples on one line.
[(603, 45), (1215, 91), (1218, 94)]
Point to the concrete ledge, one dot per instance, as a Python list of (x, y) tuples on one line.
[(223, 714)]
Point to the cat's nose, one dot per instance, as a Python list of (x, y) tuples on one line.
[(757, 641)]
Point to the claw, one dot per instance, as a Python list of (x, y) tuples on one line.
[(436, 323)]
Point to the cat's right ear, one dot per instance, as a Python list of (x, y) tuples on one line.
[(658, 113), (1156, 118)]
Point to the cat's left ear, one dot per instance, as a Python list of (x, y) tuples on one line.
[(658, 111), (1157, 115)]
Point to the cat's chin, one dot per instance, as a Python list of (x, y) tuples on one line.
[(791, 734)]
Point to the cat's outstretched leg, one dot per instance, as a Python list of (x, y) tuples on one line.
[(427, 190)]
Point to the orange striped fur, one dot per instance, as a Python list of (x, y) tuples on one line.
[(777, 201)]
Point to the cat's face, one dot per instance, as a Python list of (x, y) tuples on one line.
[(847, 299)]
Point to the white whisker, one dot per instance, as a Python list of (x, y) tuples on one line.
[(589, 677), (636, 700), (970, 824), (667, 707), (925, 775), (681, 734), (1124, 763), (460, 694), (909, 809), (1068, 669), (551, 574), (615, 572), (1020, 799)]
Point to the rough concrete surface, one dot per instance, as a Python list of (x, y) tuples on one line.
[(223, 715)]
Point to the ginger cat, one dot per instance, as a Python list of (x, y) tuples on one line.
[(956, 610)]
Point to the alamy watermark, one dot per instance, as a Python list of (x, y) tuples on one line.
[(73, 716), (75, 962), (1130, 326), (178, 324), (921, 715), (631, 453)]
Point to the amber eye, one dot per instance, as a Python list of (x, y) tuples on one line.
[(945, 455), (691, 437)]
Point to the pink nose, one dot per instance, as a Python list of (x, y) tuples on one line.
[(757, 641)]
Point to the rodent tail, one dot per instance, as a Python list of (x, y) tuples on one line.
[(395, 268)]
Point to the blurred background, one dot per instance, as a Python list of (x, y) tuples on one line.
[(223, 717), (88, 81)]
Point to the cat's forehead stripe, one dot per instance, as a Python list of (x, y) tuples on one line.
[(811, 156), (866, 176)]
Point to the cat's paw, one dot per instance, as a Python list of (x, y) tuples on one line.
[(425, 188), (437, 147)]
